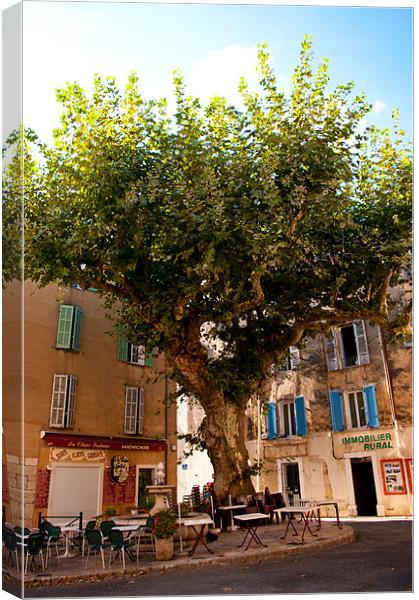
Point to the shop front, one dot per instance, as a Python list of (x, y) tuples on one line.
[(79, 473)]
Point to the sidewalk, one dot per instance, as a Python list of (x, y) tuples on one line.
[(73, 570)]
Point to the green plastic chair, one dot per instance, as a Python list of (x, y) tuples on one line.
[(89, 525), (105, 528), (10, 543), (32, 548), (118, 545), (146, 533), (95, 543)]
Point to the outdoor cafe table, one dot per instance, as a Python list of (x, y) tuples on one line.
[(251, 522), (231, 508), (196, 522), (68, 532), (129, 529), (326, 502), (304, 511)]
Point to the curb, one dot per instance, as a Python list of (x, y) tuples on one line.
[(233, 557)]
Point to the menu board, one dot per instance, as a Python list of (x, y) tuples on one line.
[(393, 476), (409, 472)]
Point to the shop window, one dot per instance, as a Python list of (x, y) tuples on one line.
[(69, 327), (347, 346), (134, 410), (63, 401)]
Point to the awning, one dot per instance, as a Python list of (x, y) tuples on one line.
[(99, 442)]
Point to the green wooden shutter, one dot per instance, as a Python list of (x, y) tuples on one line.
[(65, 321), (122, 348), (149, 358), (75, 343)]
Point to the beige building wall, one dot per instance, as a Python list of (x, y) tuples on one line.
[(100, 395), (326, 458)]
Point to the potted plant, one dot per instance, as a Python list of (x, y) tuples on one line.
[(146, 503), (164, 527)]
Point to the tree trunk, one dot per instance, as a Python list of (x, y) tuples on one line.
[(223, 425), (223, 431)]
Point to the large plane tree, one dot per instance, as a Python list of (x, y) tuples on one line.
[(244, 230)]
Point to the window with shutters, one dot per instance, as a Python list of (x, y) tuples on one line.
[(356, 409), (292, 359), (63, 401), (134, 410), (289, 427), (69, 327), (347, 346), (134, 354)]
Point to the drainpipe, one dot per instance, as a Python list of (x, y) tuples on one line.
[(258, 444), (166, 422)]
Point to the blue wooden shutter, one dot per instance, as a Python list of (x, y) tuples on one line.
[(336, 410), (271, 421), (300, 415), (149, 358), (77, 317), (371, 406), (65, 321)]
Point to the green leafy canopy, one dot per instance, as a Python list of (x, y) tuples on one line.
[(267, 222)]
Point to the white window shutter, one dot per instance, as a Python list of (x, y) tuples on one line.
[(141, 355), (71, 400), (361, 342), (141, 411), (294, 356), (58, 401), (131, 400), (331, 351)]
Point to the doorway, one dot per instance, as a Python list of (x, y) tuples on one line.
[(364, 486), (145, 478), (291, 481)]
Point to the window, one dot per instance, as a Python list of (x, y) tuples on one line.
[(292, 360), (357, 412), (69, 327), (361, 409), (347, 346), (63, 401), (293, 417), (134, 354), (288, 411), (134, 410)]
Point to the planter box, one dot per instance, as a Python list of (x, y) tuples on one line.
[(165, 549)]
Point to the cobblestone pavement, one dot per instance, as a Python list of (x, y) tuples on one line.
[(225, 552)]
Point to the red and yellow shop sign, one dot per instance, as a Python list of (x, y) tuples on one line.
[(90, 442)]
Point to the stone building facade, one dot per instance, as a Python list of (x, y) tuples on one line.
[(337, 423), (86, 415)]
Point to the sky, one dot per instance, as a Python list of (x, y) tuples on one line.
[(213, 45)]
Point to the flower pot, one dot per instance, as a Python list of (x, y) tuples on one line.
[(164, 549)]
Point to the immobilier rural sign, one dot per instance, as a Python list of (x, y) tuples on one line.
[(371, 441)]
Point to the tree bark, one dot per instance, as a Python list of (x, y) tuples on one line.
[(223, 432)]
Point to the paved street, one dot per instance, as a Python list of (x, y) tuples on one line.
[(380, 560)]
